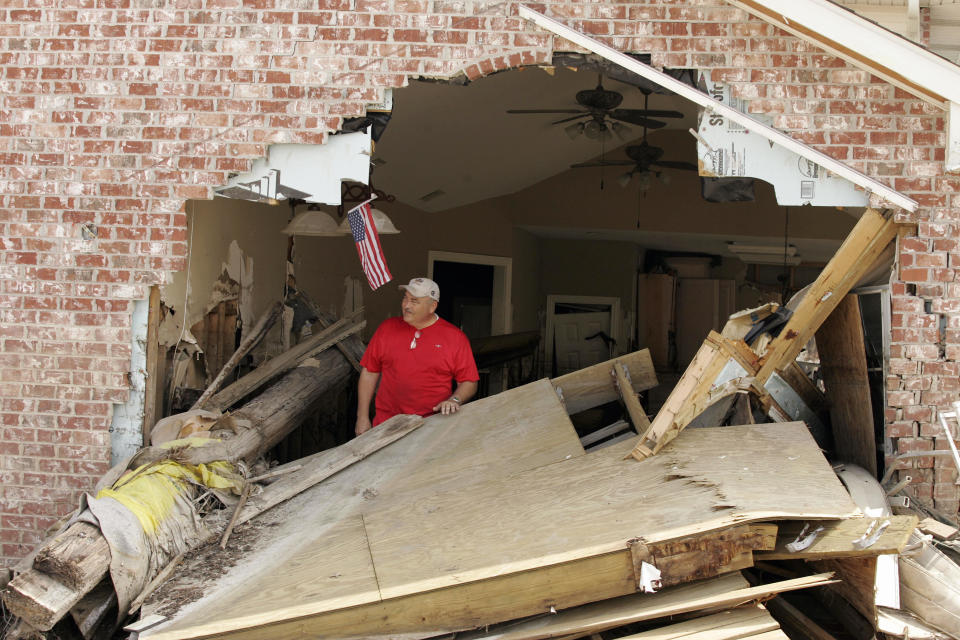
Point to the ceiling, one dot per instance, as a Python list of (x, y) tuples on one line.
[(460, 141)]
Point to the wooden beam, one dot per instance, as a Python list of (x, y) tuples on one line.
[(856, 582), (70, 557), (327, 463), (843, 363), (610, 430), (836, 540), (39, 599), (743, 622), (691, 395), (856, 256), (794, 619), (590, 387), (276, 366), (152, 383), (725, 591), (624, 386)]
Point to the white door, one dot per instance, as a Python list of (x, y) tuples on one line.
[(572, 349)]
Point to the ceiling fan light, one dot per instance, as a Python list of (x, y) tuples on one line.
[(624, 180), (645, 181), (383, 224), (622, 131), (593, 130), (664, 177), (574, 130)]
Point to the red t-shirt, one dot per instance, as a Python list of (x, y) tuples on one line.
[(416, 380)]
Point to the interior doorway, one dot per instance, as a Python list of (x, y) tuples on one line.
[(581, 331), (474, 291)]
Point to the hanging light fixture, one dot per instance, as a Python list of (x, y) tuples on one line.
[(312, 222), (381, 222)]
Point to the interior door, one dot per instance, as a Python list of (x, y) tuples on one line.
[(572, 350)]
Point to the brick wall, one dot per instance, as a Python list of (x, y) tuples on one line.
[(114, 113)]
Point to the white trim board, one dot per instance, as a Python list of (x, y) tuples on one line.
[(711, 104)]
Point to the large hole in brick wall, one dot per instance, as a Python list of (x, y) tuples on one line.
[(570, 226)]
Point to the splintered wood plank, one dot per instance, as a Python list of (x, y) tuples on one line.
[(702, 555), (836, 541), (858, 253), (725, 591), (75, 556), (843, 362), (592, 386), (689, 397), (733, 624)]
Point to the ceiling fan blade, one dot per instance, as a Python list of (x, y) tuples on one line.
[(639, 121), (676, 164), (648, 113), (605, 163), (577, 117), (546, 111)]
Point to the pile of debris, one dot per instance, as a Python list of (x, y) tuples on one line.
[(500, 521)]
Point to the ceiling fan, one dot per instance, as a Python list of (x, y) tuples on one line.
[(598, 112), (645, 159)]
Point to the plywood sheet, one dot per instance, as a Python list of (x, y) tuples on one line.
[(437, 557), (520, 429), (594, 504)]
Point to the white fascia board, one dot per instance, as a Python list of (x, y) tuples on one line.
[(709, 103), (863, 44)]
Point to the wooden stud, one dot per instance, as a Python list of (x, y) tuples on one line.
[(843, 362), (591, 387), (152, 383), (634, 409), (836, 541)]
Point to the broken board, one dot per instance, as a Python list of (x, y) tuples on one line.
[(513, 546)]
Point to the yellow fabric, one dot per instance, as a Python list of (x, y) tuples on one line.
[(150, 491)]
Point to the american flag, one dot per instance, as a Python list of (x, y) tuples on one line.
[(368, 246)]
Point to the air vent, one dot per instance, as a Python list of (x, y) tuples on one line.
[(433, 195)]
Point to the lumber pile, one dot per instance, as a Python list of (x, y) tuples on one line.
[(717, 517)]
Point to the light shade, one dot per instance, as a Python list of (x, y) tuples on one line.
[(382, 223), (313, 223)]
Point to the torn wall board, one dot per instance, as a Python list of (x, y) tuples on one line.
[(311, 172), (728, 149)]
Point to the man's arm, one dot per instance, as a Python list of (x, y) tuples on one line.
[(465, 390), (366, 387)]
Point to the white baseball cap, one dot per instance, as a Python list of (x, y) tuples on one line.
[(423, 288)]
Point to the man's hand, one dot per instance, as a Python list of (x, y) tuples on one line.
[(363, 425), (447, 407)]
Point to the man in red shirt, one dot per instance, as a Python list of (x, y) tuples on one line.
[(415, 359)]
